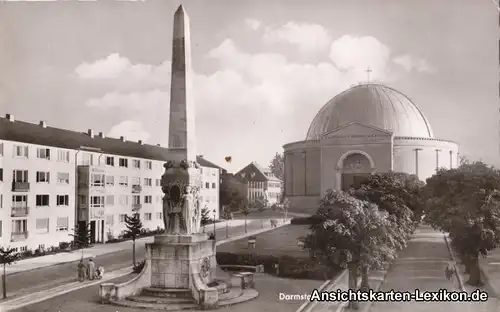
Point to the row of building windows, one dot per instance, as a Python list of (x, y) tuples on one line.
[(147, 216), (22, 151), (22, 176), (21, 201), (20, 227)]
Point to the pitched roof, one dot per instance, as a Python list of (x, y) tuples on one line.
[(265, 172), (20, 131), (205, 163)]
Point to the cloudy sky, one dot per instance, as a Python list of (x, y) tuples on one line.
[(263, 67)]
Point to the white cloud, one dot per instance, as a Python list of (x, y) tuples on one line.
[(253, 23), (309, 38), (118, 68), (356, 54), (261, 99), (409, 63), (134, 101), (130, 129)]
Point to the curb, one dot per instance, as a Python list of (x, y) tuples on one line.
[(489, 288), (452, 257), (106, 252), (309, 305), (22, 301)]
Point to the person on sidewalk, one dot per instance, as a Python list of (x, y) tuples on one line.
[(81, 271), (91, 269), (449, 271)]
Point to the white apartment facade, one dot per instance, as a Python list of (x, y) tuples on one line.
[(68, 178), (210, 184)]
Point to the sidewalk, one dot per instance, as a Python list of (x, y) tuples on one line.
[(491, 269), (421, 266), (18, 302), (97, 250)]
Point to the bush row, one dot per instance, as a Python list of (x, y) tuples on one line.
[(289, 267), (144, 233), (306, 220)]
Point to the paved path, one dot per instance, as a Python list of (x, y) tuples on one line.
[(66, 286), (117, 256), (421, 266), (97, 250)]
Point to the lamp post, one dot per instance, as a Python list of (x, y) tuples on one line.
[(227, 229), (215, 237)]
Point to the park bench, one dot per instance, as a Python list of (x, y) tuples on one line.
[(251, 242), (234, 267), (244, 279)]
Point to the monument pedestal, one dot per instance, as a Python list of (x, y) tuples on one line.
[(184, 262)]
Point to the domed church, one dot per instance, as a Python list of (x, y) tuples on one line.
[(366, 129)]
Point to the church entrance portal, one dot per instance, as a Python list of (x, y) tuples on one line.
[(355, 169)]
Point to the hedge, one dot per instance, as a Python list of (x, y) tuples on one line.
[(289, 267), (306, 220)]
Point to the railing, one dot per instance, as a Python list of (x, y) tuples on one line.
[(18, 236), (19, 211), (20, 186), (136, 188), (136, 207)]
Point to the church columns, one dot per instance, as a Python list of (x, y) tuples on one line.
[(303, 155), (416, 161), (437, 159)]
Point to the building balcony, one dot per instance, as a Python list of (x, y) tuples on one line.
[(18, 236), (136, 189), (19, 211), (20, 186), (136, 207)]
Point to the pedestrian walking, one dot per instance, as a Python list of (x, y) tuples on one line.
[(449, 271), (91, 269), (81, 271)]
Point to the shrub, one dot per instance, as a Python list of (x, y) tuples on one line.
[(27, 254), (139, 266), (63, 245), (289, 267), (312, 220)]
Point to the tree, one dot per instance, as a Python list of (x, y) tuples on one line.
[(134, 227), (232, 192), (7, 256), (245, 210), (205, 217), (277, 166), (353, 234), (258, 203), (465, 202), (400, 194), (81, 236)]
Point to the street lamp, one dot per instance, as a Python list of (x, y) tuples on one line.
[(215, 238)]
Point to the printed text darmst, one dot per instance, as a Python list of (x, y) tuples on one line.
[(442, 295)]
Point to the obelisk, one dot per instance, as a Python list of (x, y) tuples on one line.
[(182, 107), (181, 181)]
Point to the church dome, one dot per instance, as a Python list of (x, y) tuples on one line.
[(374, 105)]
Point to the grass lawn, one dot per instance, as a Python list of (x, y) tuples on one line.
[(279, 242)]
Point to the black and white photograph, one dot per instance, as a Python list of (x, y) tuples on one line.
[(250, 155)]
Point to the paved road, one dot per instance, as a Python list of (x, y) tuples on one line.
[(421, 266), (87, 299), (27, 282)]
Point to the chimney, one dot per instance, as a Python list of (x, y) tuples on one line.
[(122, 138), (43, 124), (90, 132), (10, 117), (101, 135), (140, 142)]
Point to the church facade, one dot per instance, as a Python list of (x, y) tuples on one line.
[(366, 129)]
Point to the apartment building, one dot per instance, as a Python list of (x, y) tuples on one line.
[(52, 179), (261, 183), (210, 185)]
